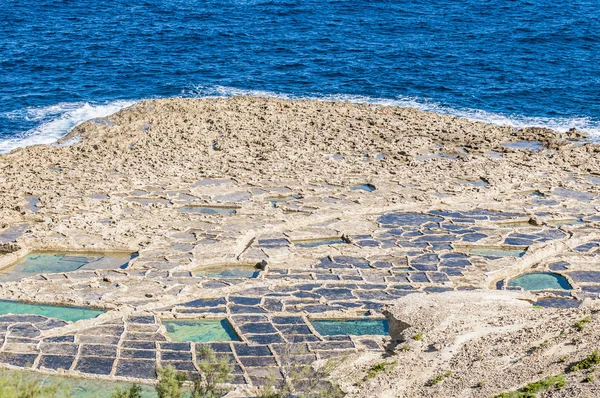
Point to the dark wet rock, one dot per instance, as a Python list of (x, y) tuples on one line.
[(264, 338), (257, 328), (97, 350), (287, 320), (139, 369), (56, 362), (95, 365), (59, 349), (175, 346), (557, 303), (14, 359), (139, 345), (258, 361), (407, 219), (175, 356), (22, 319), (244, 300), (585, 276), (243, 350), (138, 354)]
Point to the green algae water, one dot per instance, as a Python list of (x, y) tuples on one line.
[(200, 330), (354, 327), (79, 388), (541, 281), (58, 262), (68, 314), (227, 272)]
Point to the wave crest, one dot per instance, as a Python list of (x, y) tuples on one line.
[(56, 121), (562, 125)]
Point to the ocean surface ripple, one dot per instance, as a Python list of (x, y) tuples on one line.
[(513, 62)]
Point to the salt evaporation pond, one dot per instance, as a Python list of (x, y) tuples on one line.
[(68, 314), (354, 327), (58, 262), (200, 330), (541, 281)]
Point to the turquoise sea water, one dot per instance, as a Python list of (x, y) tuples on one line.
[(519, 62)]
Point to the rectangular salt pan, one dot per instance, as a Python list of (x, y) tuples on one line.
[(51, 262), (69, 314), (200, 330), (354, 327)]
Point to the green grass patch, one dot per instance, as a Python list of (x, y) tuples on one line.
[(586, 363), (580, 325), (439, 378), (531, 389)]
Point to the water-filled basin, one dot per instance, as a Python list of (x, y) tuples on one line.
[(541, 281), (200, 330), (69, 314), (355, 327)]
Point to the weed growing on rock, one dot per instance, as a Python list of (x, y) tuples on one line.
[(587, 362), (580, 325), (418, 336), (378, 368), (531, 389), (215, 372), (16, 385), (170, 383), (302, 381), (438, 379), (134, 391)]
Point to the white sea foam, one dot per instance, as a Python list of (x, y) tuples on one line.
[(56, 121), (517, 121)]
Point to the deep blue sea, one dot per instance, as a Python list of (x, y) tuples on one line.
[(512, 62)]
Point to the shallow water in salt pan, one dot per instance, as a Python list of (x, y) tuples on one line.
[(69, 314), (497, 252), (354, 327), (57, 262), (201, 330), (541, 281)]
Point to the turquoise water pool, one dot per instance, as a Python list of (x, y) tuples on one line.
[(355, 327), (200, 330), (496, 252), (228, 271), (69, 314), (541, 281), (57, 262)]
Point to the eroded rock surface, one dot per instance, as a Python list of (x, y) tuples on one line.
[(348, 207)]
